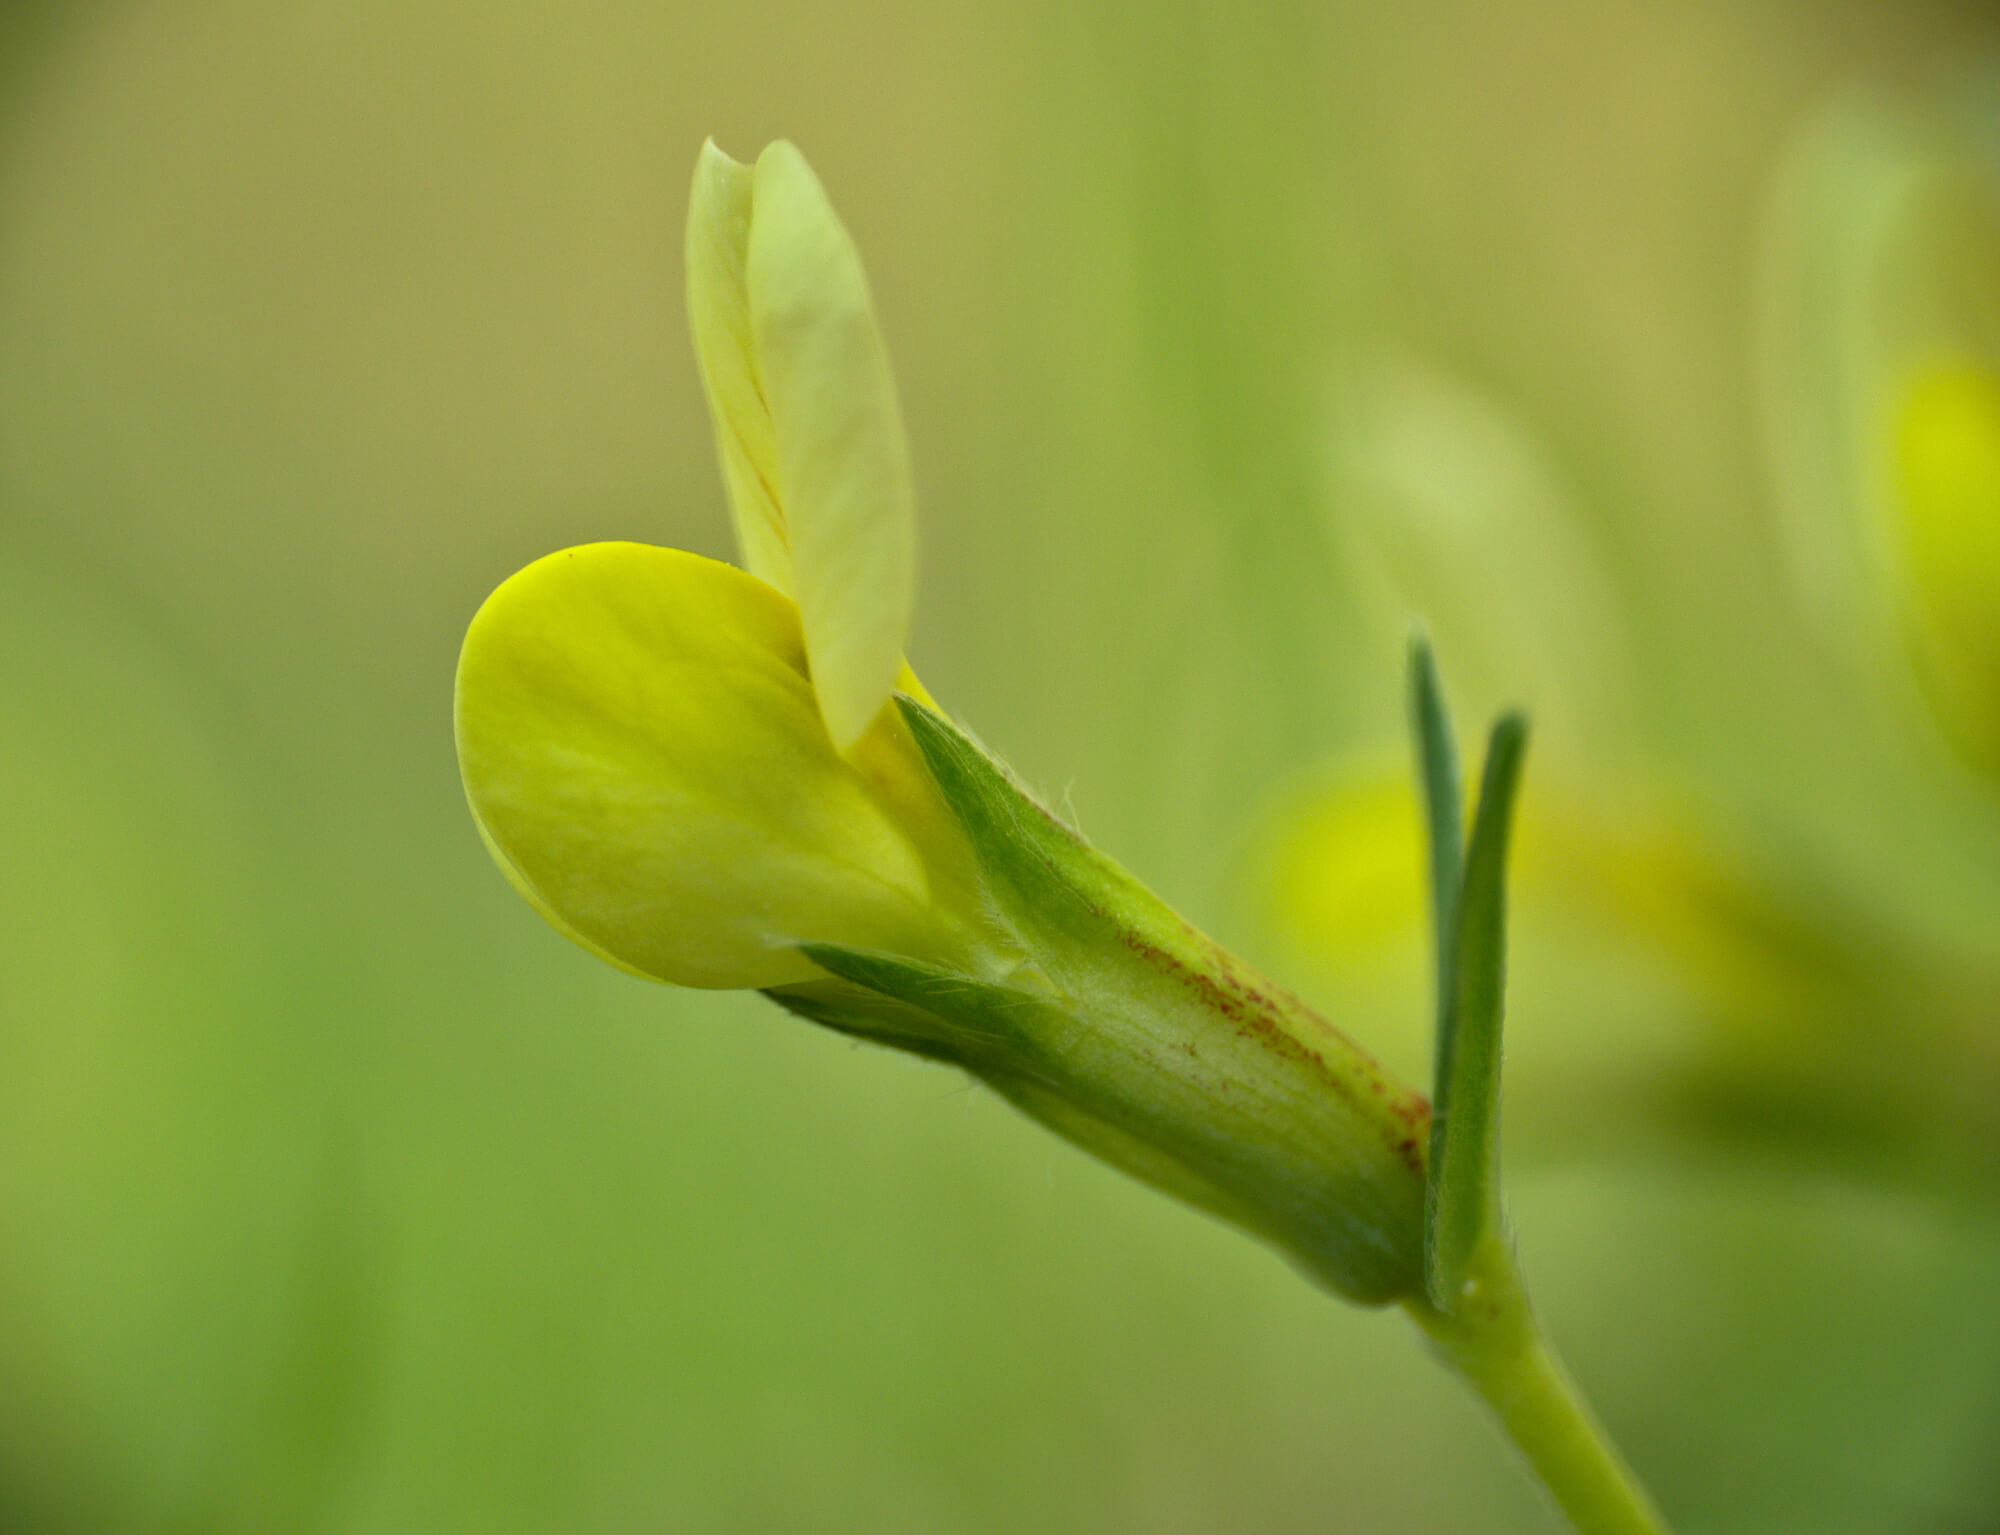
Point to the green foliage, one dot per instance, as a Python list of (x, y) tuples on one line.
[(1462, 1197), (1468, 906)]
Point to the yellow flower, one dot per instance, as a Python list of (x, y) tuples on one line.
[(730, 778), (691, 770)]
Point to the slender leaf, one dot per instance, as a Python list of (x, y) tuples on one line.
[(1462, 1196), (1437, 771)]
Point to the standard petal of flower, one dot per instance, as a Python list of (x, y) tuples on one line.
[(644, 753), (843, 463), (718, 235)]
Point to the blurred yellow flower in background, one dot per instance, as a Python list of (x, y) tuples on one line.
[(1946, 491)]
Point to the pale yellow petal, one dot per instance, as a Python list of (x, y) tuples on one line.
[(843, 464), (644, 754), (718, 235)]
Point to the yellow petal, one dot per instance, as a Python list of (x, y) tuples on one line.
[(645, 755), (843, 474), (718, 237)]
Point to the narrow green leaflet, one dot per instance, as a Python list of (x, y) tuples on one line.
[(1462, 1194), (1437, 769)]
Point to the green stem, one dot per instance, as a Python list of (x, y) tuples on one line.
[(1491, 1339)]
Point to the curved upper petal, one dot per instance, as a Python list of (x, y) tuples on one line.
[(807, 424), (843, 463), (718, 241)]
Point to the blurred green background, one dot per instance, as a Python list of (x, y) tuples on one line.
[(339, 1194)]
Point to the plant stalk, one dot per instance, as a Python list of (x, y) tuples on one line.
[(1491, 1340)]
